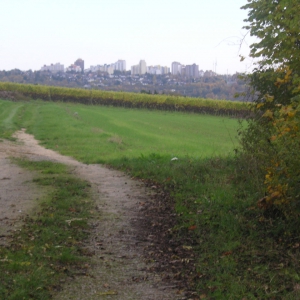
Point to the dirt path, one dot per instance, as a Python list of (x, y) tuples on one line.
[(118, 267)]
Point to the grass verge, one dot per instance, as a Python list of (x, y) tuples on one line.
[(47, 248), (241, 253)]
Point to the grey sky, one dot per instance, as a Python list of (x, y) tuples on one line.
[(38, 32)]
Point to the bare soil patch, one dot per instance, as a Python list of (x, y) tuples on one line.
[(18, 197), (133, 253)]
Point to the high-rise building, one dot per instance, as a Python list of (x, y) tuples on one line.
[(142, 67), (158, 70), (192, 70), (139, 69), (183, 71), (135, 70), (176, 68), (54, 68), (120, 65), (80, 63), (165, 70)]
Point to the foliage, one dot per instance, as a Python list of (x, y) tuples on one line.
[(131, 100), (276, 24), (272, 137)]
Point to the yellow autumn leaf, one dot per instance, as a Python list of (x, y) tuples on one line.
[(268, 114), (287, 75), (279, 81), (291, 114), (275, 195), (269, 98), (259, 105)]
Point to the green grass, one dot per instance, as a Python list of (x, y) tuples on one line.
[(46, 249), (8, 111), (240, 252), (100, 134)]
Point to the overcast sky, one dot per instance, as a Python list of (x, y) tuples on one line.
[(38, 32)]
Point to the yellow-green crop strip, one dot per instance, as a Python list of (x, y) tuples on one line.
[(130, 100)]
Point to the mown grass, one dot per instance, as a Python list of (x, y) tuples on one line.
[(241, 253), (8, 125), (100, 134), (47, 247)]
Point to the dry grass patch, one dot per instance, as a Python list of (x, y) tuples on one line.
[(115, 139), (97, 130)]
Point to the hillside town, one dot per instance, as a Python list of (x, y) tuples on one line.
[(190, 71), (183, 80)]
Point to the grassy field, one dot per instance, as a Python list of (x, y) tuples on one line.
[(100, 134), (240, 252)]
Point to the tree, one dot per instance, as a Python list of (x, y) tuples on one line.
[(276, 24), (272, 138)]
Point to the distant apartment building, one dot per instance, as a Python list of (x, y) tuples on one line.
[(120, 65), (94, 69), (80, 63), (135, 70), (139, 69), (192, 71), (176, 68), (143, 67), (183, 71), (54, 68), (107, 68), (155, 70), (158, 70), (165, 70)]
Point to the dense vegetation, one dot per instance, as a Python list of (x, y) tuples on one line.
[(272, 141)]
